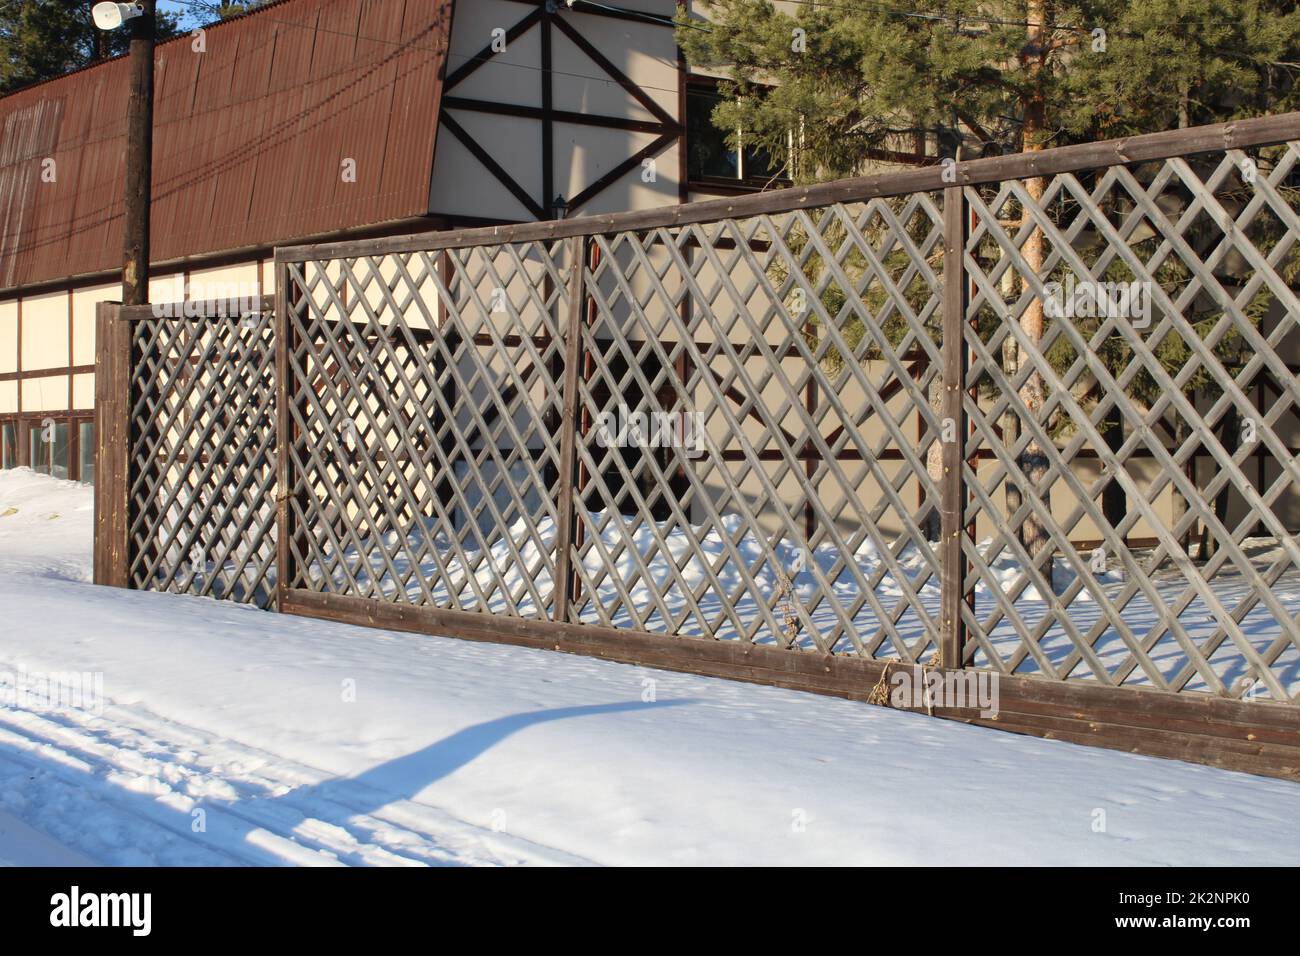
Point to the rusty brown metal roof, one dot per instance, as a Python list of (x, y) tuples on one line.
[(250, 137)]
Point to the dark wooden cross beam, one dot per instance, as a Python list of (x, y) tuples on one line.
[(666, 128)]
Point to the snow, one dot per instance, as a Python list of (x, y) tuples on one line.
[(20, 845), (229, 735)]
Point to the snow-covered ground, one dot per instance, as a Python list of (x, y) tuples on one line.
[(226, 735)]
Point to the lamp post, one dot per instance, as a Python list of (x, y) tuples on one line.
[(139, 20)]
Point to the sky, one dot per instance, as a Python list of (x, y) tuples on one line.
[(192, 13)]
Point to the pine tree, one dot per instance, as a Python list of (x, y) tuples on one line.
[(42, 39), (237, 8), (825, 86), (852, 76)]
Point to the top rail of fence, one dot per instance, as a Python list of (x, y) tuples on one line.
[(1238, 134)]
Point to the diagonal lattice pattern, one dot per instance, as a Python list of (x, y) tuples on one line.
[(424, 410), (801, 353), (742, 429), (201, 498), (1135, 465), (798, 353)]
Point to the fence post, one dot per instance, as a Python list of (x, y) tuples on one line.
[(112, 560), (565, 533), (283, 436), (952, 630)]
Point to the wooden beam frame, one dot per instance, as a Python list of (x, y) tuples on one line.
[(470, 105), (485, 55), (622, 169), (548, 114), (492, 166), (621, 78), (664, 126)]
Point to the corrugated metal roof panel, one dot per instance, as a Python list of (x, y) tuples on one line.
[(249, 137)]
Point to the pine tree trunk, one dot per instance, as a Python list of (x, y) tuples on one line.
[(1181, 429), (934, 458), (1178, 505), (1033, 460), (1010, 420)]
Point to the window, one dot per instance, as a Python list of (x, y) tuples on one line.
[(9, 445), (48, 444), (709, 157), (62, 447), (705, 143), (86, 451)]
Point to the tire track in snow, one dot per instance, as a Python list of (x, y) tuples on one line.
[(302, 841), (426, 821), (127, 749), (87, 800)]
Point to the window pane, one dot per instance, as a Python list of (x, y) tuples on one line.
[(86, 449), (49, 449), (8, 445), (37, 451), (759, 165), (706, 144)]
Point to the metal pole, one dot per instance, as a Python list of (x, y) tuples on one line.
[(139, 160)]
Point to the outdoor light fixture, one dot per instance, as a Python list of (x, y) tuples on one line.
[(110, 16), (559, 207)]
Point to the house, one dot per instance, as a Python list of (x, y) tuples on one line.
[(314, 120)]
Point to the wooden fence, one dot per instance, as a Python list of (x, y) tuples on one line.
[(1034, 417)]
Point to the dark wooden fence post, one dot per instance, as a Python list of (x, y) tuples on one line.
[(112, 559), (283, 436), (565, 533), (952, 629)]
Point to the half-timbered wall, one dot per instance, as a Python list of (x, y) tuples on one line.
[(539, 105)]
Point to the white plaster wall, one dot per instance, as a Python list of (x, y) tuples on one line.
[(83, 391), (227, 281), (463, 186), (45, 331), (46, 393), (169, 287), (9, 335), (84, 302)]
